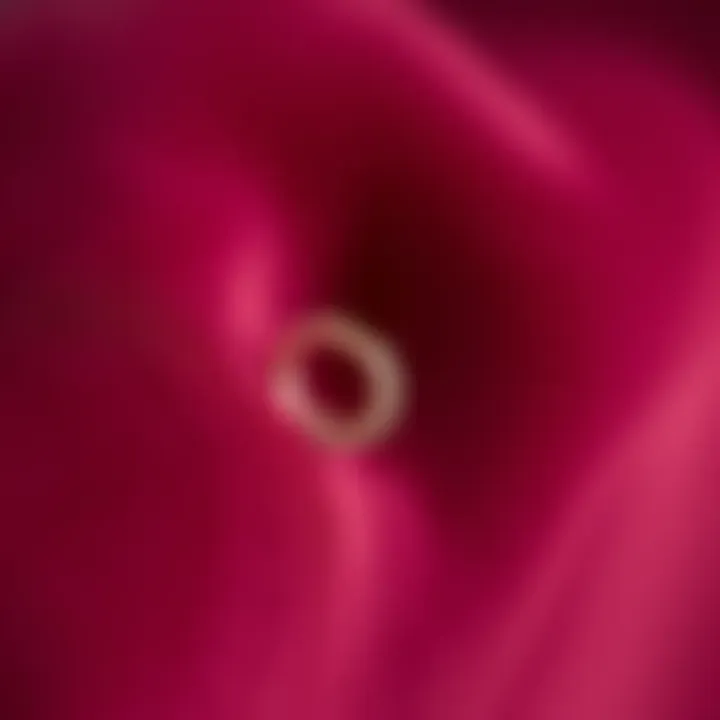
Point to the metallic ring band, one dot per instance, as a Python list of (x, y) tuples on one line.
[(375, 359)]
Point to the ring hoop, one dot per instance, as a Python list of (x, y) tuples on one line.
[(373, 357)]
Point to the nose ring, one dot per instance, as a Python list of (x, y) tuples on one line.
[(372, 356)]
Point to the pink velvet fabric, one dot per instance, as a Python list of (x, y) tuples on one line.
[(536, 227)]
